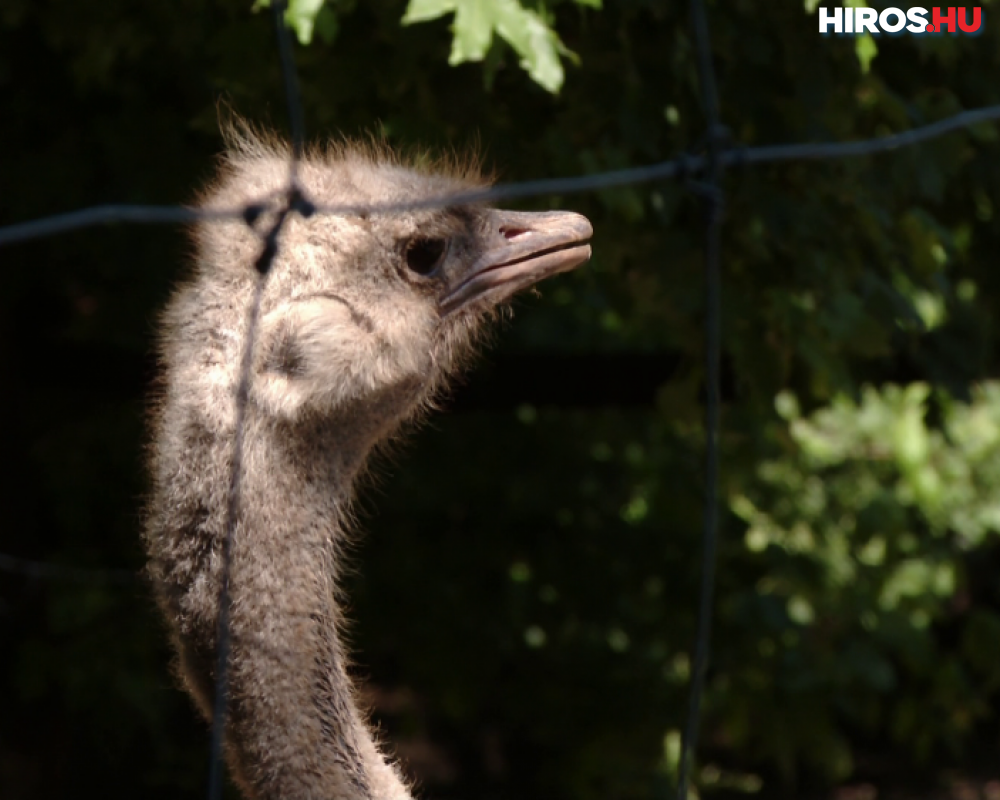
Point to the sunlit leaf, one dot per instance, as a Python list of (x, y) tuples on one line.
[(423, 10), (476, 22), (301, 17)]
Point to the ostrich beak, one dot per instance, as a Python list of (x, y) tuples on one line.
[(522, 248)]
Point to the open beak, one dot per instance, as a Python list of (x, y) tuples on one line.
[(524, 248)]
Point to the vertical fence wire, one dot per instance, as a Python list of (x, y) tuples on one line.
[(294, 201), (712, 195)]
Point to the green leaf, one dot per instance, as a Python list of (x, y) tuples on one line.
[(476, 21), (536, 43), (864, 46), (301, 16), (327, 25), (473, 31), (424, 10), (866, 50)]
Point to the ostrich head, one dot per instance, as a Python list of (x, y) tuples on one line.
[(376, 307)]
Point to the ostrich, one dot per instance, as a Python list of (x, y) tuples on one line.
[(362, 320)]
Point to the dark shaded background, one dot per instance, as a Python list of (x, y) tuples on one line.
[(525, 591)]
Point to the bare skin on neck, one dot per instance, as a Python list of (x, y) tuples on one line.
[(363, 321)]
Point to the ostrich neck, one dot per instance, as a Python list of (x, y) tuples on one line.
[(295, 730)]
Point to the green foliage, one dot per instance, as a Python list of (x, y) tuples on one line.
[(864, 45), (476, 21), (861, 530), (307, 17)]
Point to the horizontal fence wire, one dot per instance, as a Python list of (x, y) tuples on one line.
[(708, 168), (681, 167)]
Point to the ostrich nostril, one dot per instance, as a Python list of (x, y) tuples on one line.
[(510, 232)]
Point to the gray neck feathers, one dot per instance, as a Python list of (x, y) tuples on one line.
[(295, 731)]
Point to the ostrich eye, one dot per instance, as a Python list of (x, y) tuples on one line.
[(424, 255)]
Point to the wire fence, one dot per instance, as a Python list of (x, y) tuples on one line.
[(703, 175)]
